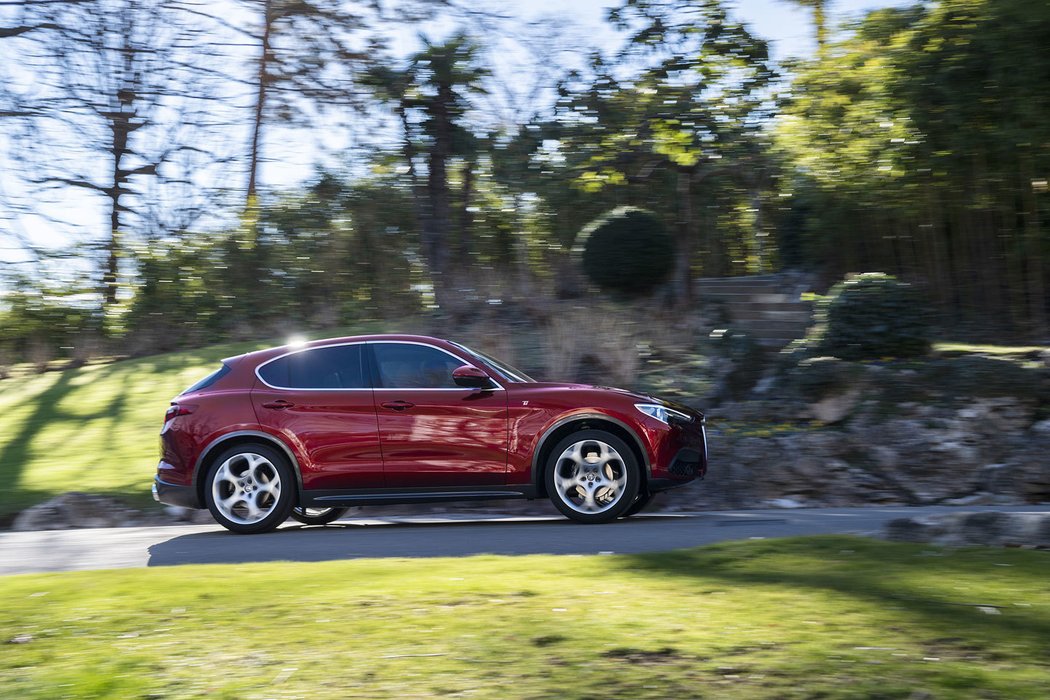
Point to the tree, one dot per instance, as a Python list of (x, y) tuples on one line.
[(919, 147), (820, 11), (431, 98), (692, 110), (106, 88)]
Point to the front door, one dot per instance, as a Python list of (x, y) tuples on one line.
[(434, 433), (320, 399)]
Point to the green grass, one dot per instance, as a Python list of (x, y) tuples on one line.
[(829, 617), (96, 428)]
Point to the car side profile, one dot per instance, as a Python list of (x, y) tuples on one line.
[(309, 431)]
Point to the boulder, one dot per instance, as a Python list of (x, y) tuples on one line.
[(77, 510), (835, 408), (988, 528)]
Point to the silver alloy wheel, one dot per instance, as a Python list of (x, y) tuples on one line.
[(246, 488), (590, 476)]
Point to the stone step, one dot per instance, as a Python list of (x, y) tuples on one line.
[(743, 279), (748, 314), (793, 306), (733, 292), (766, 325)]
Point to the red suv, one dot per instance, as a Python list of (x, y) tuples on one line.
[(309, 431)]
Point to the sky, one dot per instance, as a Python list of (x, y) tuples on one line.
[(292, 155)]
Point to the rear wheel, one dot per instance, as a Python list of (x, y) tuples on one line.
[(249, 489), (317, 516), (592, 476)]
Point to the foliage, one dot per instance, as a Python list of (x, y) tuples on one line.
[(40, 324), (869, 317), (627, 252), (840, 617), (915, 145)]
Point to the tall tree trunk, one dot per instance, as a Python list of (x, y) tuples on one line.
[(466, 217), (121, 125), (436, 236), (262, 78), (820, 22)]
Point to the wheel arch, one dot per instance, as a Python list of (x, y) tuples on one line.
[(587, 421), (241, 437)]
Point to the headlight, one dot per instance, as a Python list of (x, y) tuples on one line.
[(663, 413)]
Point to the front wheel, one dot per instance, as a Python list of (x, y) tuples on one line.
[(250, 489), (317, 516), (592, 476)]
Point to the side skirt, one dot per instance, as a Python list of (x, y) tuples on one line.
[(386, 497)]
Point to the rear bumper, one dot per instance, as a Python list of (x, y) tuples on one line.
[(175, 494)]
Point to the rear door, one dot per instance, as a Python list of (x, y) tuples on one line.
[(434, 433), (320, 399)]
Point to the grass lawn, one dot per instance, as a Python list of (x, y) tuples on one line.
[(96, 428), (828, 617)]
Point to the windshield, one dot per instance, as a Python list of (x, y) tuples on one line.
[(504, 370)]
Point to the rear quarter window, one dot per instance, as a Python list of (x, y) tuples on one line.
[(209, 380)]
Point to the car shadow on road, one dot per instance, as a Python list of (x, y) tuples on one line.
[(295, 543)]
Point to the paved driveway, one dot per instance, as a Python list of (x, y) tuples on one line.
[(114, 548)]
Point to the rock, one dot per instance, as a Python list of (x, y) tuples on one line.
[(77, 510), (1042, 427), (989, 528), (912, 530), (885, 457), (835, 408)]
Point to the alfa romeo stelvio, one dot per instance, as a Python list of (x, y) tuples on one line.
[(311, 430)]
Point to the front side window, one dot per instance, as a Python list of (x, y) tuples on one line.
[(405, 366), (334, 367)]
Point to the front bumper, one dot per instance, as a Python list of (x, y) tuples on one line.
[(175, 494), (679, 455)]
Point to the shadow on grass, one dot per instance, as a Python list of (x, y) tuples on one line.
[(19, 448), (877, 573)]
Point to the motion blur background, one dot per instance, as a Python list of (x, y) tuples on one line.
[(175, 174)]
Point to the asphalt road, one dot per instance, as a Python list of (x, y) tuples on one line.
[(115, 548)]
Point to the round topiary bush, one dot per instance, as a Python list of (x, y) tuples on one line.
[(628, 251), (871, 316)]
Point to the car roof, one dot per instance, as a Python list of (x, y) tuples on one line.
[(260, 356)]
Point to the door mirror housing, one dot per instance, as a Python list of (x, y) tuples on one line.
[(471, 377)]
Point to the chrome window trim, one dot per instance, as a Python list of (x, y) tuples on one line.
[(498, 387), (301, 350)]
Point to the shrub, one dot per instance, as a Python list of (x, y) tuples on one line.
[(868, 317), (627, 252)]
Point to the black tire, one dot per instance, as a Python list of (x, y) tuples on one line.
[(620, 470), (640, 502), (318, 516), (231, 474)]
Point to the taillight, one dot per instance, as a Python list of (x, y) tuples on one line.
[(177, 410)]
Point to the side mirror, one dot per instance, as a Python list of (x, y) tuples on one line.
[(471, 377)]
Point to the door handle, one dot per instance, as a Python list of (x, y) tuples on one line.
[(279, 404), (398, 405)]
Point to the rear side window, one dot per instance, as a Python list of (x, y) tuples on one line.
[(209, 380), (334, 367)]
